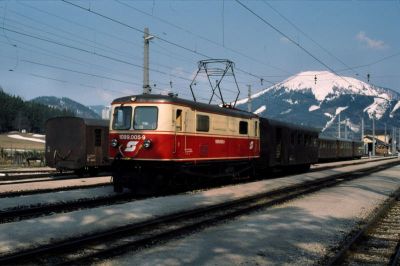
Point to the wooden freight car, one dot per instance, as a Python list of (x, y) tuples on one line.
[(77, 144)]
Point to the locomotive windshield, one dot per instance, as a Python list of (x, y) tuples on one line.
[(122, 118), (145, 117)]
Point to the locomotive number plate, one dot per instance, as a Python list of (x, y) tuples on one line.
[(132, 137)]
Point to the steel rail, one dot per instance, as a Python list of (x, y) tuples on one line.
[(49, 179), (326, 167), (396, 258), (17, 175), (31, 177), (40, 210), (354, 237), (13, 194), (200, 217), (32, 211)]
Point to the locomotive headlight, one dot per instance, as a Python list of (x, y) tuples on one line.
[(147, 144), (114, 143)]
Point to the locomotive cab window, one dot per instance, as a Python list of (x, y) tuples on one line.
[(145, 118), (203, 123), (122, 118), (243, 127)]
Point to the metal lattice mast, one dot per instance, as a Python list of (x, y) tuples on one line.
[(373, 136), (219, 69)]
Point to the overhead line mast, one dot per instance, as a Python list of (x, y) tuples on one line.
[(158, 37), (146, 83)]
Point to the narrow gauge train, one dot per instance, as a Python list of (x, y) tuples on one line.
[(77, 144), (333, 149), (156, 140)]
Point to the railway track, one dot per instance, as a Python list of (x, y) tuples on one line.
[(326, 166), (23, 174), (62, 207), (39, 209), (12, 194), (112, 242), (377, 242), (40, 176)]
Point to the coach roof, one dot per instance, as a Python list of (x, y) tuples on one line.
[(154, 98)]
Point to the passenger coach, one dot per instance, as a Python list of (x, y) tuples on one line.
[(156, 138)]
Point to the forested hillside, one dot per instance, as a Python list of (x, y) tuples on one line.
[(17, 114)]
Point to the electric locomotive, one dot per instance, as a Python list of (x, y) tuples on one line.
[(158, 139)]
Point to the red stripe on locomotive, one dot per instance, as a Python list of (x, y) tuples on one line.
[(185, 147)]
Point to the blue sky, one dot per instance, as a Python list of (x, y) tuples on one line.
[(53, 48)]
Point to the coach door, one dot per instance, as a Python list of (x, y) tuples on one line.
[(278, 139), (178, 128), (253, 143)]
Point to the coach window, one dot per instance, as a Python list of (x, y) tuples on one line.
[(243, 127), (203, 123), (255, 128), (145, 118), (178, 120), (315, 142), (122, 118)]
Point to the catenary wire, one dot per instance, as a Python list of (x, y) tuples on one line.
[(158, 37), (290, 39), (199, 36), (309, 37)]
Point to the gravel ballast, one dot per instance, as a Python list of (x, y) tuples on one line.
[(55, 197), (54, 184), (44, 230), (299, 232)]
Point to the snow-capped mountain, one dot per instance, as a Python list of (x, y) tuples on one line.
[(317, 98), (68, 104)]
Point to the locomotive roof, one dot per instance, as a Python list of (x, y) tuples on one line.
[(292, 126), (340, 139), (145, 98)]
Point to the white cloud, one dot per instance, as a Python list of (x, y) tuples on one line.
[(284, 40), (371, 43), (107, 96)]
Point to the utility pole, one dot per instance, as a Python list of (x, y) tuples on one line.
[(345, 128), (373, 136), (393, 140), (398, 142), (147, 37), (249, 101), (386, 139), (339, 126), (362, 128)]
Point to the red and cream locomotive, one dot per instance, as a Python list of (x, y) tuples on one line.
[(157, 138)]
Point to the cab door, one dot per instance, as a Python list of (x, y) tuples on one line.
[(245, 145), (178, 124)]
